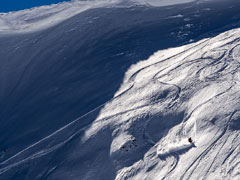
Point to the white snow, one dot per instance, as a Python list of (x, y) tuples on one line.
[(209, 102), (173, 148)]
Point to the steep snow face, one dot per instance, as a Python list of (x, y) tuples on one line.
[(76, 102), (141, 133), (191, 91)]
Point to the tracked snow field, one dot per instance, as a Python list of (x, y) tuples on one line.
[(141, 133)]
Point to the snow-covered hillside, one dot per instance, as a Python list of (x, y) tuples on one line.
[(93, 97), (190, 91), (43, 17)]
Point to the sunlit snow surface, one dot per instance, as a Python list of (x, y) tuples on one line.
[(142, 131), (200, 80)]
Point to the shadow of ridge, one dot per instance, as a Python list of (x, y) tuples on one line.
[(176, 151)]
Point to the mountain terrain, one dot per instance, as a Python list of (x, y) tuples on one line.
[(114, 89)]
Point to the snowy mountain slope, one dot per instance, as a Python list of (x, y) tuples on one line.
[(43, 17), (131, 121), (200, 80), (190, 91)]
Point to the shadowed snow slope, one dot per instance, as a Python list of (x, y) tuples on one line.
[(77, 100)]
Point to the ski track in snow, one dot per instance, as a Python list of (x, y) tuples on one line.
[(44, 152), (203, 154), (198, 159)]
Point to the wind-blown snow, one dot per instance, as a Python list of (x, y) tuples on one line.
[(172, 148)]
